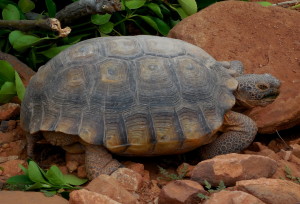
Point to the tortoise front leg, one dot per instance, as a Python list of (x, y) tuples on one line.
[(32, 139), (238, 133), (99, 161)]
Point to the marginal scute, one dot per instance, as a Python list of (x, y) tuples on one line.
[(140, 95)]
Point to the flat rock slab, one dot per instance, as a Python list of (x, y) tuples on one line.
[(265, 39), (230, 168), (14, 197)]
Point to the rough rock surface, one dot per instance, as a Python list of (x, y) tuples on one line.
[(88, 197), (233, 167), (11, 168), (232, 197), (180, 191), (129, 179), (271, 191), (110, 187), (14, 197), (265, 39), (9, 110)]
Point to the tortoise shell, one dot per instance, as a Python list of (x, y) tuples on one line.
[(138, 95)]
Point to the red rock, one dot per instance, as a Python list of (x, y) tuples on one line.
[(129, 179), (88, 197), (296, 150), (181, 191), (11, 168), (139, 168), (110, 187), (232, 197), (17, 148), (15, 197), (283, 166), (235, 30), (230, 168), (273, 191), (12, 132), (9, 110)]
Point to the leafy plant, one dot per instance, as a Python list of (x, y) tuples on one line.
[(170, 176), (210, 189), (10, 83), (49, 182), (289, 175)]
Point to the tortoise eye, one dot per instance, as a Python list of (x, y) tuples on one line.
[(262, 86)]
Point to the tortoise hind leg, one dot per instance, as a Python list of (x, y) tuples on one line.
[(239, 132), (32, 139), (99, 161)]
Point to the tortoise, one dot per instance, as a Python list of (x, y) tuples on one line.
[(144, 96)]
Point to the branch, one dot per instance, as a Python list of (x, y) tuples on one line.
[(51, 24), (82, 8)]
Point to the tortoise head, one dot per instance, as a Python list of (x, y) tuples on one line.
[(256, 90)]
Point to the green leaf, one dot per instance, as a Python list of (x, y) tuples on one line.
[(8, 88), (180, 12), (7, 72), (53, 51), (157, 24), (264, 3), (163, 28), (37, 186), (100, 19), (20, 88), (156, 9), (7, 92), (106, 28), (49, 193), (21, 41), (55, 176), (25, 171), (207, 184), (189, 6), (134, 4), (26, 5), (73, 180), (51, 7), (10, 12), (19, 179), (35, 173)]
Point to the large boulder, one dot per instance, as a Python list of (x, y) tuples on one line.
[(265, 39)]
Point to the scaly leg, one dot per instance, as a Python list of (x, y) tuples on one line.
[(99, 161), (238, 133), (31, 142)]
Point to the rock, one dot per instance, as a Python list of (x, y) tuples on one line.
[(139, 168), (229, 30), (296, 150), (11, 168), (13, 197), (9, 110), (232, 197), (230, 168), (271, 191), (110, 187), (11, 131), (17, 148), (129, 179), (284, 167), (87, 197), (181, 191), (149, 192)]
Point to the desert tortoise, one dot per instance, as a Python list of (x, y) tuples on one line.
[(142, 95)]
